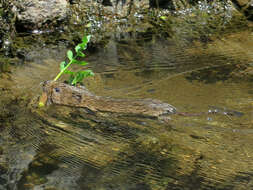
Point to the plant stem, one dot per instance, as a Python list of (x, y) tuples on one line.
[(62, 71)]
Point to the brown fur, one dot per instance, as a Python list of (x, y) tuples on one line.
[(63, 94)]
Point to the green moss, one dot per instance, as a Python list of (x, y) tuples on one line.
[(196, 24), (5, 64)]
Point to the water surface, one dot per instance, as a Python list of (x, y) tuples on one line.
[(65, 148)]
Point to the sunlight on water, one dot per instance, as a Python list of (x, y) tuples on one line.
[(69, 148)]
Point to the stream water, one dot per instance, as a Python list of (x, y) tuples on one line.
[(62, 149)]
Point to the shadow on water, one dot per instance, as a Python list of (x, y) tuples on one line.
[(60, 147)]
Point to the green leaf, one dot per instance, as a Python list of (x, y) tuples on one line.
[(87, 73), (164, 18), (82, 46), (80, 54), (83, 63), (73, 82), (78, 48), (86, 39), (70, 55), (69, 72), (75, 77), (63, 65), (80, 75), (71, 78)]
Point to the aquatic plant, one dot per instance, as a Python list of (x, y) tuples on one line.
[(75, 77), (78, 76)]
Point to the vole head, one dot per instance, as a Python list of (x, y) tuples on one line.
[(48, 88), (64, 94)]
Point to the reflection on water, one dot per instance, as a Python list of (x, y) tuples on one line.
[(67, 148)]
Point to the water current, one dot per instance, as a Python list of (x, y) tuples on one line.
[(62, 148)]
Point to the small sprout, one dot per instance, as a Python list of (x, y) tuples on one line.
[(70, 55), (74, 77), (41, 104), (164, 18)]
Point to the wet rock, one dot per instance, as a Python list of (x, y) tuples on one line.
[(5, 23), (162, 4), (121, 8), (127, 7), (33, 14)]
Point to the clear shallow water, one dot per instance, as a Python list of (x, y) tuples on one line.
[(65, 148)]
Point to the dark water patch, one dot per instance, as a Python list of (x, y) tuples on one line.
[(213, 74), (91, 176), (37, 169), (137, 166)]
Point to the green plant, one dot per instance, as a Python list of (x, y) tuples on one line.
[(78, 76), (74, 77)]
